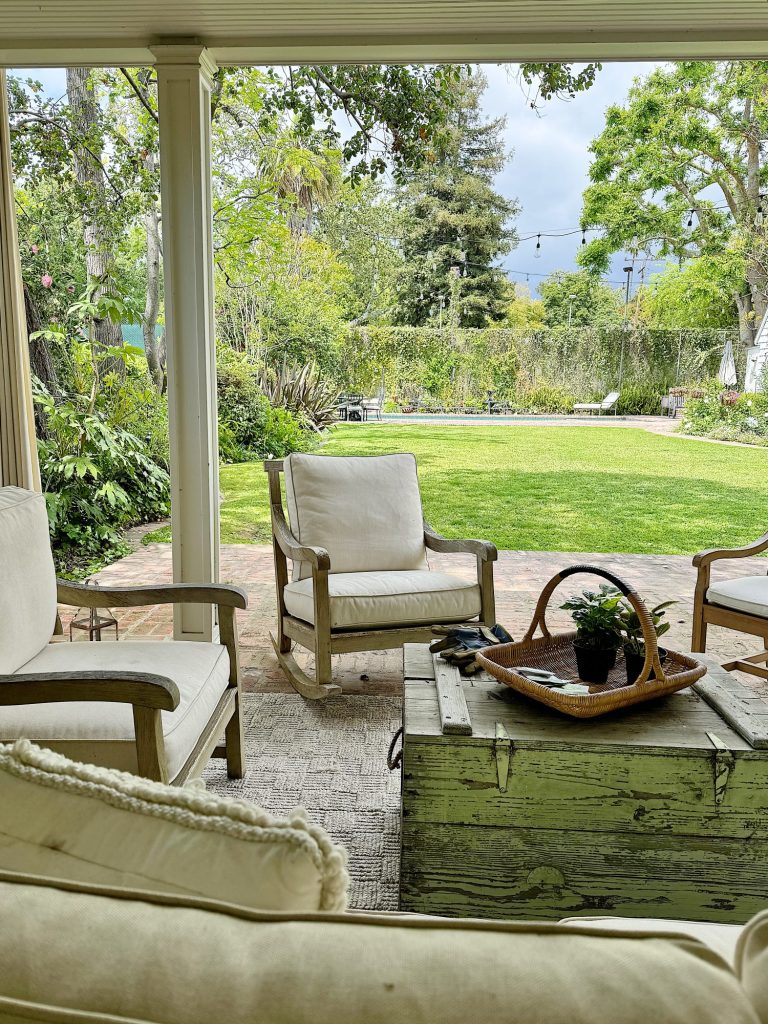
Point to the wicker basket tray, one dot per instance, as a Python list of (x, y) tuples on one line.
[(556, 654)]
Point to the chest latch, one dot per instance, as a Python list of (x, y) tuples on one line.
[(724, 762)]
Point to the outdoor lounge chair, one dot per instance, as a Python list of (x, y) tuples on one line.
[(608, 403), (153, 709), (740, 604), (358, 543)]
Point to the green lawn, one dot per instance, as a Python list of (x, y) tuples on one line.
[(551, 488)]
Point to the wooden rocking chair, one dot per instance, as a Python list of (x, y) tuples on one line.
[(358, 544), (740, 604)]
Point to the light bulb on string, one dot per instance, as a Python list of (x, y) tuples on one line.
[(537, 250), (583, 237), (690, 219)]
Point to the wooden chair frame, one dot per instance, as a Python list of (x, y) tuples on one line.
[(320, 638), (149, 694), (705, 614)]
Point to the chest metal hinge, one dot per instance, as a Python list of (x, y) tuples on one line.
[(502, 749), (723, 764)]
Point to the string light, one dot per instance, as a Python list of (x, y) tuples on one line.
[(583, 237), (537, 251), (690, 219)]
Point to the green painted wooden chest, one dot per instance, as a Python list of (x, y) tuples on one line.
[(659, 811)]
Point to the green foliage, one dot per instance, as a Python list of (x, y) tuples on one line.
[(597, 617), (698, 294), (579, 299), (249, 427), (97, 478), (675, 172), (727, 415), (523, 312), (304, 394), (639, 398), (631, 630), (455, 223)]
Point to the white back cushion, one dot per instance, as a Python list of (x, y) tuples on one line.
[(27, 578), (364, 510), (77, 822)]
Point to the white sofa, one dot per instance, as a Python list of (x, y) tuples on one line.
[(128, 901)]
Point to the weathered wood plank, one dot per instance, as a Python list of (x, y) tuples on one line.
[(451, 703), (744, 709), (417, 662), (597, 792), (548, 874)]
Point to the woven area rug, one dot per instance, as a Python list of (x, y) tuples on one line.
[(331, 758)]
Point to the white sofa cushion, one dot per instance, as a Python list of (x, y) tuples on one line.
[(365, 511), (752, 963), (82, 823), (170, 960), (366, 600), (746, 594), (722, 938), (103, 733), (27, 578)]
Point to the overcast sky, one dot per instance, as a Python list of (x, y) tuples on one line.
[(549, 169), (550, 166)]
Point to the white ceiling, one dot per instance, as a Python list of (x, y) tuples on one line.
[(55, 32)]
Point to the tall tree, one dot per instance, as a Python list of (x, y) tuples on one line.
[(456, 225), (679, 170), (88, 152), (579, 299)]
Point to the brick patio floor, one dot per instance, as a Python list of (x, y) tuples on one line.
[(520, 576)]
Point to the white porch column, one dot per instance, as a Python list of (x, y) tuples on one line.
[(184, 100), (18, 448)]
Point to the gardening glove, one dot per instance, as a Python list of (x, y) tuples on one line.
[(457, 644)]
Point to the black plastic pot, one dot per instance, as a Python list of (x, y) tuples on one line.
[(634, 663), (593, 663)]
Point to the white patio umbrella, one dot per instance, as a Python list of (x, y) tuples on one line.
[(727, 371)]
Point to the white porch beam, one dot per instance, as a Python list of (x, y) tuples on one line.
[(184, 76)]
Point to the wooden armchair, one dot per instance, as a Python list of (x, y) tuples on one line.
[(155, 709), (740, 604), (358, 544)]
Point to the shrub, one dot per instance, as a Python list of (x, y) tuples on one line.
[(249, 427), (727, 415), (543, 397), (637, 399), (97, 479)]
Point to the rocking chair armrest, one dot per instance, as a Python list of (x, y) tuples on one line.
[(83, 596), (704, 558), (482, 548), (293, 548), (142, 689)]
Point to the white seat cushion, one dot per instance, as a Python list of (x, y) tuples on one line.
[(722, 938), (80, 823), (369, 600), (746, 594), (365, 511), (103, 733), (27, 578)]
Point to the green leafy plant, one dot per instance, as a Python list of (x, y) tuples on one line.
[(597, 618), (632, 631), (305, 393)]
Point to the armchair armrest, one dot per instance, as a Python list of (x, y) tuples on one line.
[(293, 548), (79, 594), (482, 548), (143, 689), (704, 558)]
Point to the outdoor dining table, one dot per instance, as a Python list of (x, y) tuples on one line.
[(350, 404)]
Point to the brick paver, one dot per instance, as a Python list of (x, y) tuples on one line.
[(520, 576)]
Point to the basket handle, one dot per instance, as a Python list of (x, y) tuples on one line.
[(651, 663)]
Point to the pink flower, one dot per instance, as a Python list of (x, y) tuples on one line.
[(35, 249), (46, 280)]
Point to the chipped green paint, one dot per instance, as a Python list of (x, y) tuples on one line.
[(656, 813)]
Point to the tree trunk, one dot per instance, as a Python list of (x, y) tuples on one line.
[(40, 359), (152, 304), (747, 327), (99, 251)]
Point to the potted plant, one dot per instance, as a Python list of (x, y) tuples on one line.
[(634, 642), (598, 636)]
